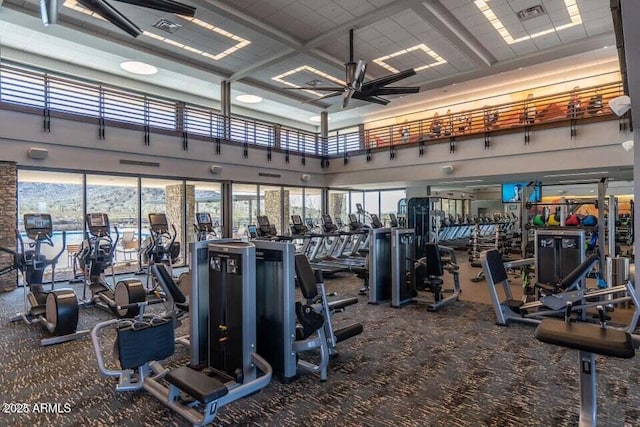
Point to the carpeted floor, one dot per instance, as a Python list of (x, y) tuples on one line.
[(409, 367)]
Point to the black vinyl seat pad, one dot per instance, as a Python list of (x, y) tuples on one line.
[(196, 384), (586, 337)]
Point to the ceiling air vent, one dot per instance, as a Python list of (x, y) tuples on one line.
[(166, 25), (531, 12)]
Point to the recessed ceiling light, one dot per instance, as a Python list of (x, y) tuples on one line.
[(317, 118), (437, 58), (137, 67), (249, 99), (605, 47)]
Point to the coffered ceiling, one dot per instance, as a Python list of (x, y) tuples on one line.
[(264, 46)]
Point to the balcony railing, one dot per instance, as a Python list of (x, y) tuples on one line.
[(41, 91)]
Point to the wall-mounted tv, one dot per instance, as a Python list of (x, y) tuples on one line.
[(512, 192)]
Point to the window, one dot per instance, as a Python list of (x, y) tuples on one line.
[(117, 196), (313, 203), (338, 204), (61, 196), (389, 203), (372, 202), (357, 197), (244, 208), (205, 197), (294, 206)]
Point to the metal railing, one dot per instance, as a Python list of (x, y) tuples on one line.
[(43, 91), (568, 106)]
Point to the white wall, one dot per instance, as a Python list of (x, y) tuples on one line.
[(597, 145), (74, 145)]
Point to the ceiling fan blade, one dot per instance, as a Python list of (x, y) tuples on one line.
[(318, 88), (329, 95), (373, 99), (358, 77), (112, 15), (387, 80), (346, 96), (169, 6), (393, 91)]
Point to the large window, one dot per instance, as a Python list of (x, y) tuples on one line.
[(118, 197), (313, 203), (244, 207), (61, 196), (204, 197), (389, 202), (271, 205), (295, 205), (338, 204), (357, 197), (372, 202)]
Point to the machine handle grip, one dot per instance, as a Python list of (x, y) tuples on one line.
[(62, 249)]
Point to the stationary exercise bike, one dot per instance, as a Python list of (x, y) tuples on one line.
[(95, 256), (56, 309)]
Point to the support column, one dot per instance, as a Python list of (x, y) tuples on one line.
[(225, 106), (8, 221), (631, 30), (180, 209), (324, 132), (227, 204)]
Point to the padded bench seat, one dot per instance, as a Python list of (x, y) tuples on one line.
[(342, 303), (586, 337), (196, 384)]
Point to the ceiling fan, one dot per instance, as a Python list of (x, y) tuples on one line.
[(355, 86), (49, 11)]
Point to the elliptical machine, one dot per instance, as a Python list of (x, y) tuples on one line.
[(95, 256), (204, 228), (56, 309), (162, 247)]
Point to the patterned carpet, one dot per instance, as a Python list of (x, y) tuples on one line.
[(410, 368)]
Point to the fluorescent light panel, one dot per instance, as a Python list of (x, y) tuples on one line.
[(280, 78), (73, 4), (572, 9), (423, 47), (577, 174)]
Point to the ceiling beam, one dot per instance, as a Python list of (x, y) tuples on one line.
[(450, 28), (309, 47)]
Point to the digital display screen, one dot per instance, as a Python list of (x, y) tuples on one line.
[(252, 229), (37, 221), (97, 220), (512, 192), (158, 219), (296, 219), (326, 219), (263, 220), (203, 218), (353, 218)]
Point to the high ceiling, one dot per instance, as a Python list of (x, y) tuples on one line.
[(263, 46)]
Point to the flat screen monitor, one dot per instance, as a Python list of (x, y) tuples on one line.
[(158, 219), (512, 192), (97, 220), (38, 223), (263, 220), (296, 219), (203, 218)]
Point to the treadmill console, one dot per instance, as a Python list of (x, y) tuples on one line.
[(339, 222), (354, 224), (297, 227), (265, 229), (252, 230), (327, 224), (393, 220), (98, 224), (375, 221)]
